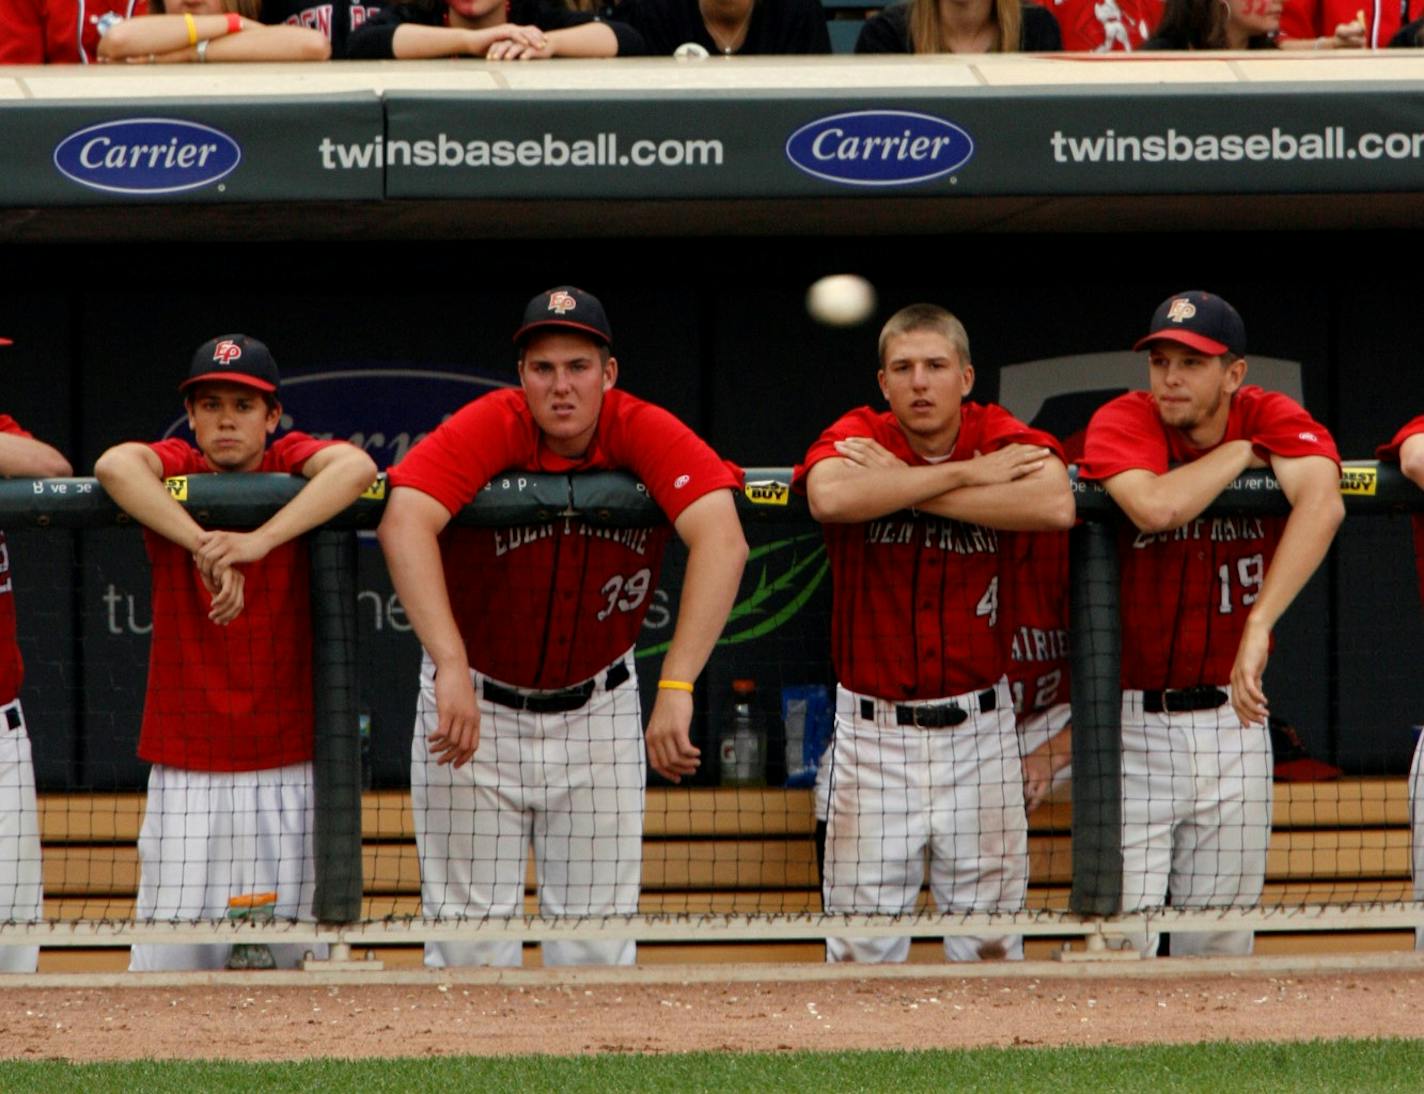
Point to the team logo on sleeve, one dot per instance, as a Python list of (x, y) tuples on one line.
[(681, 481), (226, 352), (560, 302), (1310, 437), (1181, 310)]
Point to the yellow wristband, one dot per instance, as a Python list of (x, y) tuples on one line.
[(192, 26), (675, 685)]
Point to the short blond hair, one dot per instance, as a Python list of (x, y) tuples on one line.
[(929, 317)]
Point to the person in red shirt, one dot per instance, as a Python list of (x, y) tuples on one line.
[(539, 622), (21, 881), (1407, 449), (57, 32), (227, 721), (1200, 597), (912, 501)]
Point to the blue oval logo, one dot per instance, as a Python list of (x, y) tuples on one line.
[(879, 148), (147, 156)]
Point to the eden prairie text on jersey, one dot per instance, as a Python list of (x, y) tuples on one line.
[(600, 150)]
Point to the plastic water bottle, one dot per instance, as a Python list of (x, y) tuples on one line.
[(743, 751)]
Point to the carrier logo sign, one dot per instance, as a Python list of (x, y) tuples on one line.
[(147, 156), (879, 148)]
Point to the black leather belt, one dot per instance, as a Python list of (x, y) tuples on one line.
[(554, 702), (13, 719), (934, 715), (1182, 700)]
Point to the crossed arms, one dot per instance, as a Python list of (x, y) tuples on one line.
[(132, 474)]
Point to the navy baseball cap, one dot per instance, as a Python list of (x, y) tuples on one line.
[(1199, 320), (565, 308), (233, 359)]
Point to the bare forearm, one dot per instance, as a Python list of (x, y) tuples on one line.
[(853, 495), (714, 572), (1304, 544), (1039, 502), (25, 457), (330, 490), (140, 492), (413, 560), (1160, 503), (588, 40), (414, 42)]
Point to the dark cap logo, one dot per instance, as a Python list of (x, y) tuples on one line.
[(226, 352), (560, 302)]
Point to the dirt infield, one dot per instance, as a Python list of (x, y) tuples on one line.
[(276, 1023)]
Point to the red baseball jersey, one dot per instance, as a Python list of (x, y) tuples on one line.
[(1185, 594), (12, 666), (54, 32), (550, 605), (916, 597), (235, 697), (1105, 26), (1033, 597), (1390, 452), (1319, 18)]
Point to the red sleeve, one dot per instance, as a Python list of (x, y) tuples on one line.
[(1278, 425), (463, 453), (9, 425), (1301, 19), (22, 40), (1391, 451), (291, 452), (860, 422), (178, 457), (1124, 435), (996, 428), (674, 463)]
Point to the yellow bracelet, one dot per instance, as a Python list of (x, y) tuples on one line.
[(675, 685), (192, 26)]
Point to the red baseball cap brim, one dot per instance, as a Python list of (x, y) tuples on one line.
[(1186, 338), (238, 378)]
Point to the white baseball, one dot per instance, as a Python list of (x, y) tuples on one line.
[(841, 300)]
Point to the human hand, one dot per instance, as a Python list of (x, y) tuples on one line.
[(670, 750), (217, 551), (457, 730), (227, 589), (1038, 779), (508, 41), (1007, 464), (1247, 698), (867, 452)]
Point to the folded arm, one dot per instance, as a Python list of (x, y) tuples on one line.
[(27, 458), (1160, 503)]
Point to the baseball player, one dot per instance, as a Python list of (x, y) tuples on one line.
[(1200, 598), (227, 721), (1033, 588), (912, 501), (528, 722), (1407, 448), (21, 883)]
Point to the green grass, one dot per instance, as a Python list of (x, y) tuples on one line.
[(1377, 1065)]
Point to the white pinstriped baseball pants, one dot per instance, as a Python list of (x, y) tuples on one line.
[(21, 878)]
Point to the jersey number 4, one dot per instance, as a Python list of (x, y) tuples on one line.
[(625, 594), (1250, 572), (989, 603)]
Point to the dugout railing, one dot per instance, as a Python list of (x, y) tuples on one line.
[(1091, 907)]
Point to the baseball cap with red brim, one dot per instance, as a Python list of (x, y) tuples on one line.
[(1200, 321), (233, 359), (565, 308)]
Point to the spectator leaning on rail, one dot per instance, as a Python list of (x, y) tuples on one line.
[(21, 880), (1199, 600), (334, 19), (1345, 24), (57, 32), (1407, 448), (205, 30), (742, 28), (228, 714), (500, 30), (961, 26)]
